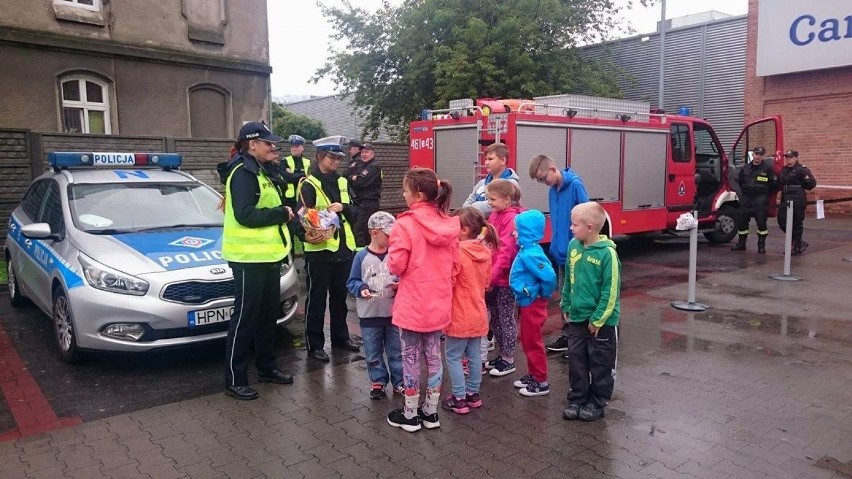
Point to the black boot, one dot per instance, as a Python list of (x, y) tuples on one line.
[(796, 248), (761, 244), (741, 243), (803, 245)]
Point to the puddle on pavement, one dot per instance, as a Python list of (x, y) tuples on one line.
[(743, 332)]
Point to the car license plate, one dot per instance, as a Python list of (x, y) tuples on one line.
[(209, 316)]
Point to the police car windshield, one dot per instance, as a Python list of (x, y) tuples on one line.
[(115, 208)]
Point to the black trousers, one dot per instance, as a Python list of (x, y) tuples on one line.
[(752, 207), (326, 281), (800, 201), (256, 309), (366, 208), (590, 364)]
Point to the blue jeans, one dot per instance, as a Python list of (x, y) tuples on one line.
[(456, 349), (378, 341)]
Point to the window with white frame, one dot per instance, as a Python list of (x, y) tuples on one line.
[(85, 105), (94, 5)]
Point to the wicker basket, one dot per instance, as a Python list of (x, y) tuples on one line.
[(314, 235)]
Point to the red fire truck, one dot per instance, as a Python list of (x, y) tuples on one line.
[(646, 167)]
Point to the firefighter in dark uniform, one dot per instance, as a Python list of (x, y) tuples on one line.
[(293, 168), (795, 179), (328, 263), (757, 181), (255, 240), (354, 152), (365, 178)]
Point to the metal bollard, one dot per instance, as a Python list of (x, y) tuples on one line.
[(690, 304), (788, 246)]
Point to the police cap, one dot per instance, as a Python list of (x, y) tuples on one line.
[(255, 130), (791, 154), (331, 144), (355, 143), (296, 140)]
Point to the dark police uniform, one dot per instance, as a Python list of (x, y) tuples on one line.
[(365, 179), (255, 241), (795, 181), (757, 183)]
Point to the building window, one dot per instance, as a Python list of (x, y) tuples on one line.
[(85, 106), (209, 111), (94, 5)]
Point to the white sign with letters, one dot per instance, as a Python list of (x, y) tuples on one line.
[(795, 36)]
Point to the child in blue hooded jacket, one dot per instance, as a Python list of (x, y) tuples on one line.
[(532, 280)]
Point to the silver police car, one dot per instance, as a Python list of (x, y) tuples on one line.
[(123, 251)]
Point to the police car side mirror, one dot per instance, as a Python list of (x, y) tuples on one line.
[(39, 231)]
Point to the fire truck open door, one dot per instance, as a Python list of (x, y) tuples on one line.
[(766, 132)]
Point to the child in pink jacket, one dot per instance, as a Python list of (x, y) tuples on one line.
[(504, 198), (423, 250)]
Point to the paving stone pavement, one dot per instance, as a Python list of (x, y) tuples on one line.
[(731, 392)]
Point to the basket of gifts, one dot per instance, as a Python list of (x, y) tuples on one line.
[(320, 225)]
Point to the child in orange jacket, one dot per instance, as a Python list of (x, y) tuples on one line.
[(469, 323)]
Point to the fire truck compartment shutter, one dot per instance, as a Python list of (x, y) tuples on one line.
[(596, 157), (644, 170), (538, 140), (457, 160)]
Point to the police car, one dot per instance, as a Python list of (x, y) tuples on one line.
[(123, 252)]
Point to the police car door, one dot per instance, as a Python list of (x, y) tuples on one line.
[(44, 251), (23, 258)]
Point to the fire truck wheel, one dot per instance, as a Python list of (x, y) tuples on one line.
[(725, 227)]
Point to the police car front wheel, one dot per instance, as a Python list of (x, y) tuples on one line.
[(15, 297), (63, 328)]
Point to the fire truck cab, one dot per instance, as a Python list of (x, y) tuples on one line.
[(646, 167)]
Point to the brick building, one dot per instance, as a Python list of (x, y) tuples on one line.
[(187, 68), (808, 82)]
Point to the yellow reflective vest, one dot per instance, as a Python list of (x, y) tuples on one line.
[(291, 165), (266, 244), (322, 202)]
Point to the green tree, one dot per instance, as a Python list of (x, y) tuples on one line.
[(423, 53), (286, 123)]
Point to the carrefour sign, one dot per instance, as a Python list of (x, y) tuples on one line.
[(795, 36)]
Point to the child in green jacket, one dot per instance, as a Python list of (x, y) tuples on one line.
[(590, 302)]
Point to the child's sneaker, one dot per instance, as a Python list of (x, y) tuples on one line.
[(535, 389), (502, 368), (484, 369), (396, 418), (522, 383), (399, 390), (473, 400), (378, 392), (590, 412), (429, 421), (491, 344), (458, 406), (492, 362)]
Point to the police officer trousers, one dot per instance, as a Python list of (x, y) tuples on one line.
[(366, 208), (800, 201), (326, 280), (591, 361), (752, 207), (252, 325)]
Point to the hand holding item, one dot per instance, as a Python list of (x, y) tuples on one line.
[(335, 207), (365, 293), (313, 236)]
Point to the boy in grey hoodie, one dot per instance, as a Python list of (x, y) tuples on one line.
[(374, 288)]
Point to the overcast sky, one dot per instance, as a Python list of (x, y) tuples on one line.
[(298, 42)]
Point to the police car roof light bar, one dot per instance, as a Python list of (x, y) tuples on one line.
[(73, 159)]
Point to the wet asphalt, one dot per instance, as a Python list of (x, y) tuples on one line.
[(653, 270)]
